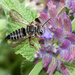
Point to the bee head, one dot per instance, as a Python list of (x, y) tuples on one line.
[(40, 30)]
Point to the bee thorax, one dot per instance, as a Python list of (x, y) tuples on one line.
[(30, 29)]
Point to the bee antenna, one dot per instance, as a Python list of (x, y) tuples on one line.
[(46, 22)]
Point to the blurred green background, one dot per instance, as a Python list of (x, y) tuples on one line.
[(10, 63)]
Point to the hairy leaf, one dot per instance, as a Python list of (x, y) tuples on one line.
[(17, 13), (26, 50)]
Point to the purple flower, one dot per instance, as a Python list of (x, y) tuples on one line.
[(72, 53), (47, 34), (57, 42), (62, 68), (52, 10), (52, 66), (58, 33), (46, 59), (64, 44), (56, 50), (59, 22), (65, 55), (37, 55), (70, 4), (67, 24), (71, 37)]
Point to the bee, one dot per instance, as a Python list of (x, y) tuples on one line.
[(31, 30)]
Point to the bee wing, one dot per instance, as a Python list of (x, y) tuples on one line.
[(15, 16), (15, 43)]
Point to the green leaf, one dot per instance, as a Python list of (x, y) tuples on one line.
[(25, 12), (20, 8), (24, 48), (73, 25), (26, 67), (57, 73), (71, 67), (38, 67)]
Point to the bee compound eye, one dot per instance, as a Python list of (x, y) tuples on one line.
[(41, 33)]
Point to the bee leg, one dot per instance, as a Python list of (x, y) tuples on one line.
[(37, 36), (32, 44), (31, 23), (30, 41)]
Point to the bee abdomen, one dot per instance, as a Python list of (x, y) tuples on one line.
[(17, 34)]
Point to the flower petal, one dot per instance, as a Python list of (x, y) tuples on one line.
[(59, 22), (71, 37), (58, 33), (67, 24), (41, 41), (52, 10), (73, 6), (47, 35), (61, 4), (65, 54), (37, 55), (52, 66), (43, 16), (62, 68), (56, 50), (46, 59), (70, 5), (72, 53), (64, 44), (43, 50)]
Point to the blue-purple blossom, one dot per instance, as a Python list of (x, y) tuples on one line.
[(58, 41), (47, 34)]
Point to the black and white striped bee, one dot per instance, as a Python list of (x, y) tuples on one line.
[(32, 30)]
